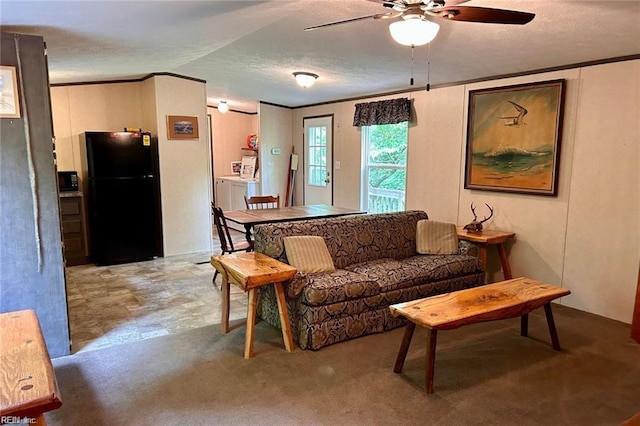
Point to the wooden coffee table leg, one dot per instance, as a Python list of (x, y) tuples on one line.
[(524, 325), (552, 326), (224, 322), (404, 347), (284, 318), (432, 335), (251, 322)]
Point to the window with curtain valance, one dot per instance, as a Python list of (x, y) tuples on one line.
[(391, 111)]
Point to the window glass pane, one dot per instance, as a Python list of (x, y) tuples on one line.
[(317, 152), (384, 173), (317, 176)]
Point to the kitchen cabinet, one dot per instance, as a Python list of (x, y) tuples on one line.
[(230, 192), (73, 228)]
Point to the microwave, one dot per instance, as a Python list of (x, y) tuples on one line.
[(67, 181)]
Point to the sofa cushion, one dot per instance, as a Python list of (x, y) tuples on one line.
[(350, 239), (308, 254), (443, 266), (436, 237), (336, 286), (389, 274)]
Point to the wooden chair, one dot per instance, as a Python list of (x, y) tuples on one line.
[(227, 245), (262, 202)]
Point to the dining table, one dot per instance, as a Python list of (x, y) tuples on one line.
[(250, 218)]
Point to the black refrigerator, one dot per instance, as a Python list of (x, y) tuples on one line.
[(124, 197)]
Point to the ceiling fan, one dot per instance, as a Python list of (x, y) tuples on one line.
[(415, 29)]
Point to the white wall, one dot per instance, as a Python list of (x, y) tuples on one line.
[(275, 132), (185, 168), (539, 221), (433, 155), (603, 223), (230, 131), (91, 107), (587, 238), (184, 164)]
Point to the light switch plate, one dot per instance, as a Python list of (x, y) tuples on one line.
[(336, 165), (275, 151)]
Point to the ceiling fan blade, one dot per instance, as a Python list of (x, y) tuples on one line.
[(485, 14), (346, 21)]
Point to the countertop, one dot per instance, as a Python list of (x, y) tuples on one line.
[(237, 178), (70, 194)]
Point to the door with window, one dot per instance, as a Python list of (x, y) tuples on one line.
[(318, 160), (384, 167)]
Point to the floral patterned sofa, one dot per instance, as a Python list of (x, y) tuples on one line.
[(376, 265)]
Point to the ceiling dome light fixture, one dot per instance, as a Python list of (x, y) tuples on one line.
[(223, 107), (305, 79), (413, 31)]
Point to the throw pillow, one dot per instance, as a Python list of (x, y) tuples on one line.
[(308, 254), (436, 237)]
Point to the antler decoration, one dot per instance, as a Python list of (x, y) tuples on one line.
[(475, 226)]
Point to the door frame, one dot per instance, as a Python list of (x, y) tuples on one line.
[(304, 151)]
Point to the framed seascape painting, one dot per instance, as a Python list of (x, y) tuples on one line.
[(513, 138), (182, 127)]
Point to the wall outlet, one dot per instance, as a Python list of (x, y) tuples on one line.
[(275, 151)]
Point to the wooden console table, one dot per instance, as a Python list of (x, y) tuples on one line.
[(490, 237), (501, 300), (249, 271), (29, 386)]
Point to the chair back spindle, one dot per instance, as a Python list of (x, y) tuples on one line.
[(262, 202)]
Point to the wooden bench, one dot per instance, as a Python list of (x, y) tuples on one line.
[(29, 386), (501, 300)]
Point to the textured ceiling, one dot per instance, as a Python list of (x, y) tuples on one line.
[(248, 50)]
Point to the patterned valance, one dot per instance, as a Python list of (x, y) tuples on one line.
[(391, 111)]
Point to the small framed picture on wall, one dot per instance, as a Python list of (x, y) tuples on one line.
[(182, 127), (236, 166), (9, 99)]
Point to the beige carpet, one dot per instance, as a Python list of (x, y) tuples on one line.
[(486, 374)]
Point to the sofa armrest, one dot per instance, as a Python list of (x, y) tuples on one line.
[(296, 284), (468, 248)]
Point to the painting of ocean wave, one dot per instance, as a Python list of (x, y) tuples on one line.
[(513, 138), (515, 160)]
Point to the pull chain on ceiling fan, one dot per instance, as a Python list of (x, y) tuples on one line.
[(428, 86), (428, 67), (411, 80)]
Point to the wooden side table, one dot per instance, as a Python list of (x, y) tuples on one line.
[(29, 386), (490, 237), (249, 271)]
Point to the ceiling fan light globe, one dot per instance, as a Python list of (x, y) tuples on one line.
[(223, 107), (305, 79), (413, 32)]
